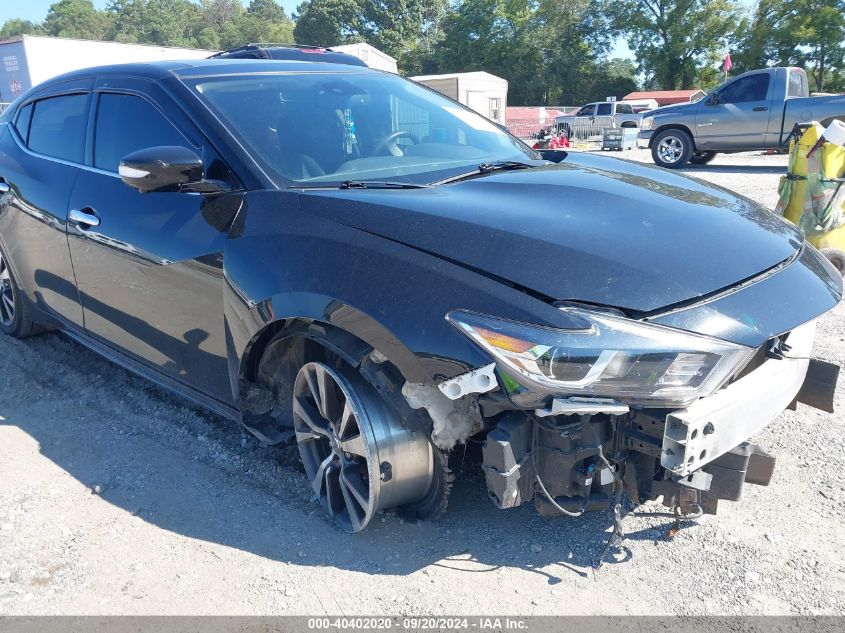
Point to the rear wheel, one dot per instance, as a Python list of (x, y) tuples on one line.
[(357, 454), (702, 158), (671, 148), (15, 310), (836, 257)]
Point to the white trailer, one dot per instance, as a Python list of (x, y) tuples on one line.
[(370, 55), (30, 59), (485, 93)]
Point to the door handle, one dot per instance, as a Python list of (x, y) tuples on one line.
[(759, 109), (83, 218)]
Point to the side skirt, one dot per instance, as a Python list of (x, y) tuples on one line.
[(148, 373)]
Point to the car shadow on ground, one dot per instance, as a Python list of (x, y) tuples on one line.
[(144, 472)]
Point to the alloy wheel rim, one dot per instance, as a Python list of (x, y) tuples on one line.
[(670, 149), (7, 294), (336, 446)]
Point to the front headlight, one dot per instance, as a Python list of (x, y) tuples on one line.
[(647, 123), (611, 356)]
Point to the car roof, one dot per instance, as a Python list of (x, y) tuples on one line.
[(290, 52), (206, 67)]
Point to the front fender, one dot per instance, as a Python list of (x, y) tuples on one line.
[(283, 263), (247, 325)]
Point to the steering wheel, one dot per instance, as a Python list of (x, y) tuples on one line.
[(389, 143)]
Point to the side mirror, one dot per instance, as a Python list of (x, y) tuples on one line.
[(167, 168), (552, 155), (714, 99)]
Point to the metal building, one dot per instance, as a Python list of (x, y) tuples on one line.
[(485, 93), (370, 55)]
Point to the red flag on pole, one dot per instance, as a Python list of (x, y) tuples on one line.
[(727, 64)]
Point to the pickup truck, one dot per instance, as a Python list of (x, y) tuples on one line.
[(754, 111), (592, 118)]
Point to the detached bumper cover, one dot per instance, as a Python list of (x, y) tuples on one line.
[(819, 386), (710, 427)]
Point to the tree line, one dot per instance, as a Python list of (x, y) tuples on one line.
[(551, 51)]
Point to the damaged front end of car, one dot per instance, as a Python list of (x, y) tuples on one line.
[(572, 417), (609, 339)]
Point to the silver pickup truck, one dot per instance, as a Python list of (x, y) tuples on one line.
[(592, 118), (756, 110)]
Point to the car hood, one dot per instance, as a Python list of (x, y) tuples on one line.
[(591, 229), (670, 109)]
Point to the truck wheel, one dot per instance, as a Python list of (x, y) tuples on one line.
[(358, 456), (15, 310), (836, 257), (671, 148), (702, 158)]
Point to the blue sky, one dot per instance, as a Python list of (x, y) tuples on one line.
[(36, 10)]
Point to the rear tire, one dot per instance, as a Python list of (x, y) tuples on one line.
[(15, 310), (702, 158), (836, 257), (671, 148)]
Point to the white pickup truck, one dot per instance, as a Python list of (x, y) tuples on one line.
[(592, 118), (756, 110)]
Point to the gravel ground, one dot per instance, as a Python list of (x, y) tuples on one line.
[(116, 498)]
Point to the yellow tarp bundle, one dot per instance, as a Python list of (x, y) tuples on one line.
[(812, 195)]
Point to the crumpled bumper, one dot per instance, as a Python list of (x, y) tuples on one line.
[(712, 426)]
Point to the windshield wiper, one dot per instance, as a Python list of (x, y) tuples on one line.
[(488, 168), (375, 184), (363, 184), (503, 165)]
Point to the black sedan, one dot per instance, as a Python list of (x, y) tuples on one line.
[(341, 257)]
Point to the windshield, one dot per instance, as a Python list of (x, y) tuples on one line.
[(323, 129)]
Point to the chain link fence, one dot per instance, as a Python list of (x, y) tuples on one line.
[(528, 128), (3, 106)]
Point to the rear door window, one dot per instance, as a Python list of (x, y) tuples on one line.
[(797, 84), (125, 124), (604, 109), (58, 127)]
